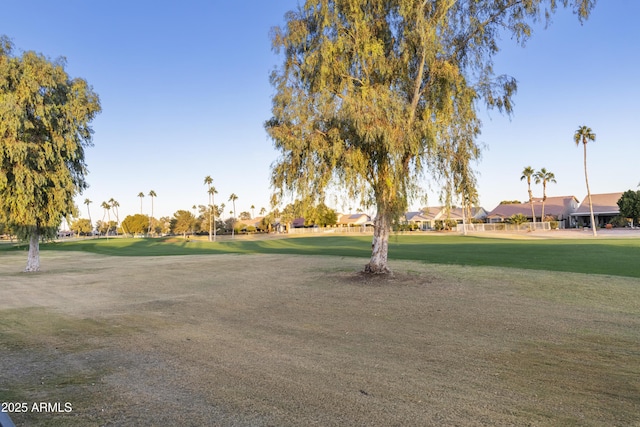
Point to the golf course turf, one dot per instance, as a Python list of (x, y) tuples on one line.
[(267, 332), (616, 257)]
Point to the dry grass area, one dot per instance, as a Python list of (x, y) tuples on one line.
[(266, 340)]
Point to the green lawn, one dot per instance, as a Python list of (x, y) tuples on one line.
[(618, 257)]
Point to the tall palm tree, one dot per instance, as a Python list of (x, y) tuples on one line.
[(212, 215), (208, 181), (195, 215), (153, 195), (107, 208), (88, 202), (262, 211), (114, 206), (141, 195), (233, 199), (252, 213), (220, 212), (543, 176), (584, 134), (527, 173)]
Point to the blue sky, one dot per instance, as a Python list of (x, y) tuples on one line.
[(185, 92)]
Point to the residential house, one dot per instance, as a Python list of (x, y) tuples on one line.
[(473, 214), (423, 220), (298, 223), (560, 208), (426, 218), (605, 208), (252, 222), (353, 220)]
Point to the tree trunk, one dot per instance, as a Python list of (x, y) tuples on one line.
[(33, 259), (378, 262), (586, 178), (210, 224), (464, 220), (533, 212), (544, 198)]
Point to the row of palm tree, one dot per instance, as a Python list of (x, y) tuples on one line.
[(583, 135), (211, 191), (111, 206), (542, 176), (151, 194)]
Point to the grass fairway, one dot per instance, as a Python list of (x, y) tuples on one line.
[(290, 340), (615, 257)]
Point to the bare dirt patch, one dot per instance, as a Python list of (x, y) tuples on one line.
[(283, 340)]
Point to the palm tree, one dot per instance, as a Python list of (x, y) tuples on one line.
[(114, 206), (543, 176), (252, 213), (584, 134), (233, 199), (212, 215), (262, 211), (152, 194), (88, 202), (527, 173), (208, 181), (141, 195), (107, 208)]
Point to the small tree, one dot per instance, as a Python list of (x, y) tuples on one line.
[(517, 219), (81, 226), (183, 222), (44, 130)]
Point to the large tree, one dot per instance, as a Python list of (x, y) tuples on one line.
[(45, 118), (368, 91), (583, 135), (629, 205), (136, 224), (183, 222)]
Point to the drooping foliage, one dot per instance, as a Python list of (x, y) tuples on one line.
[(44, 129), (373, 97)]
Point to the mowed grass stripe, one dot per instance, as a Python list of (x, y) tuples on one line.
[(617, 257)]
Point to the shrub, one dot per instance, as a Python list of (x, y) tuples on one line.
[(517, 219)]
